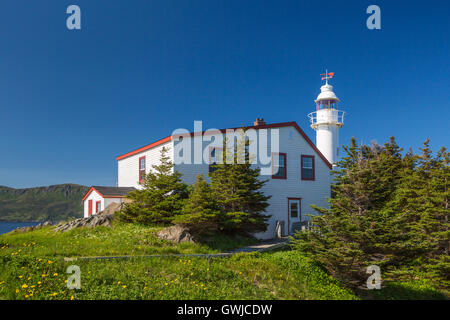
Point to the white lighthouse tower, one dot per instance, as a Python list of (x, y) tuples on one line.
[(327, 120)]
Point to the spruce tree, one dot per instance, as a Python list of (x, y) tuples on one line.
[(160, 199), (422, 198), (237, 187), (201, 213), (353, 233)]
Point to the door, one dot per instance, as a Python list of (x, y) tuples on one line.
[(90, 207), (294, 214)]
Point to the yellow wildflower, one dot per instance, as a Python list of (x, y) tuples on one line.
[(72, 297), (24, 286), (124, 287)]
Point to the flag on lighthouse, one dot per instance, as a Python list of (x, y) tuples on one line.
[(327, 75)]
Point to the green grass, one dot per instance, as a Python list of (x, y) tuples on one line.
[(121, 239), (243, 276), (420, 289), (32, 267)]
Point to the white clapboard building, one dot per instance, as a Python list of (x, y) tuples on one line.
[(298, 171)]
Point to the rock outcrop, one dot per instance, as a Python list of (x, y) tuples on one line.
[(90, 222), (176, 234), (31, 228), (112, 208)]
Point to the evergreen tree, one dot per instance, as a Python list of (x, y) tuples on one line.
[(353, 233), (201, 214), (237, 188), (422, 198), (161, 198)]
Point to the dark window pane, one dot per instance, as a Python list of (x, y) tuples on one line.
[(307, 163), (279, 169), (294, 209), (307, 174)]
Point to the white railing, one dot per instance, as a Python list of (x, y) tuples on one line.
[(327, 116)]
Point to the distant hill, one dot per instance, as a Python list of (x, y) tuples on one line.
[(54, 203)]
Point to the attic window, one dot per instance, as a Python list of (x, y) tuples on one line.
[(307, 167), (279, 166), (141, 169)]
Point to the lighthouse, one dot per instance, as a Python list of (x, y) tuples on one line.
[(327, 120)]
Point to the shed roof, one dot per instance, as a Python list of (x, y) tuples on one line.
[(110, 192)]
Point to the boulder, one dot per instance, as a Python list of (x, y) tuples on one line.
[(90, 222), (176, 234)]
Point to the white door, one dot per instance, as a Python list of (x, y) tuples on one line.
[(294, 213)]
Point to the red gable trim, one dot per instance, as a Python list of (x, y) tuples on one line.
[(152, 145), (313, 145), (103, 196), (265, 126), (89, 192)]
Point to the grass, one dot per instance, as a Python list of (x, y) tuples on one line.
[(243, 276), (121, 239), (411, 290), (32, 267)]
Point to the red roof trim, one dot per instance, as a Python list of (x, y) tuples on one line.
[(264, 126), (103, 196), (152, 145), (89, 192)]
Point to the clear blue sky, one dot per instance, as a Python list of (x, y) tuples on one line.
[(71, 101)]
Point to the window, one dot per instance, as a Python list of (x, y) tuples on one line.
[(307, 167), (141, 169), (98, 206), (294, 208), (214, 154), (90, 207), (279, 166)]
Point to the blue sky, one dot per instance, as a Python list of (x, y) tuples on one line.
[(71, 101)]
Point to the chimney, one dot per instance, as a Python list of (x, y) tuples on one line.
[(259, 122)]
